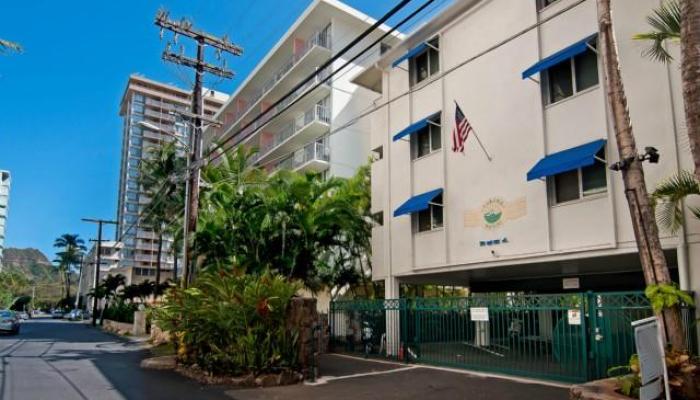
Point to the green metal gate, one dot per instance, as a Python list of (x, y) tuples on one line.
[(569, 337)]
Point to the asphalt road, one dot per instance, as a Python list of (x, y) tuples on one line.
[(58, 360)]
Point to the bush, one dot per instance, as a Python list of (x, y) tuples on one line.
[(121, 312), (231, 324)]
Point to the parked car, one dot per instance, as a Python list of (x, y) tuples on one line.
[(74, 315), (23, 315), (57, 314), (9, 322)]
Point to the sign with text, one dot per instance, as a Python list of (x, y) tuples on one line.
[(574, 317), (571, 283), (479, 313)]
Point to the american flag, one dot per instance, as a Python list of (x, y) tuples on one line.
[(460, 131)]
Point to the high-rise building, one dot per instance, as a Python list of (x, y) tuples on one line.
[(317, 132), (4, 201), (109, 265), (157, 104)]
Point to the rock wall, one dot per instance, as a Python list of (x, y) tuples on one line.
[(303, 317)]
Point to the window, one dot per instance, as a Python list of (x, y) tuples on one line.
[(132, 196), (425, 64), (378, 218), (579, 183), (544, 3), (383, 48), (132, 207), (571, 76), (377, 153), (428, 139), (430, 218)]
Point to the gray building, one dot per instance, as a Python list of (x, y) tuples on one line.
[(4, 201), (157, 104)]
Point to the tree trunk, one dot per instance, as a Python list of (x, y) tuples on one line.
[(690, 71), (158, 257), (643, 221), (175, 256)]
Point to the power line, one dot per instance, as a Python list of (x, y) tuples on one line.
[(377, 107), (321, 68)]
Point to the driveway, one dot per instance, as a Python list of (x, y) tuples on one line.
[(353, 379)]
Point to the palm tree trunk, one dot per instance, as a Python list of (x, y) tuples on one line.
[(690, 71), (645, 230), (158, 257)]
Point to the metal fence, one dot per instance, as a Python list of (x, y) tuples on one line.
[(568, 337)]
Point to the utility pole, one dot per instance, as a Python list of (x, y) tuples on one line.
[(80, 282), (99, 223), (184, 28)]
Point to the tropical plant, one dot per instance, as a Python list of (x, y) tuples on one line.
[(73, 249), (666, 26), (302, 226), (652, 258), (231, 323), (162, 177), (107, 291), (669, 196), (679, 20)]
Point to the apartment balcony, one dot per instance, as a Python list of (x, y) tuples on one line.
[(315, 50), (164, 116), (308, 126), (314, 157)]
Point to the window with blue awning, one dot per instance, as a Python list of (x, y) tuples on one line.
[(410, 54), (566, 160), (562, 55), (415, 127), (417, 203)]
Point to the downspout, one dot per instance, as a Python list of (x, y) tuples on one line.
[(682, 245)]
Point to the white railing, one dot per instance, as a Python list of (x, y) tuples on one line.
[(317, 151), (317, 113), (320, 38)]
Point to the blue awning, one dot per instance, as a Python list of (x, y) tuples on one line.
[(417, 203), (566, 160), (415, 127), (411, 53), (571, 51)]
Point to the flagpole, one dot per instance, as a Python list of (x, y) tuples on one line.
[(482, 145), (477, 139)]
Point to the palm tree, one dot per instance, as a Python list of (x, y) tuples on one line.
[(73, 247), (669, 197), (109, 286), (643, 221), (8, 46), (666, 26), (162, 177), (679, 20)]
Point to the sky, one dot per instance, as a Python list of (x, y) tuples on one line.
[(60, 130)]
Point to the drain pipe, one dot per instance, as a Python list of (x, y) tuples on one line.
[(682, 246)]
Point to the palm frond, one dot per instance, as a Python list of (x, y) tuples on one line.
[(666, 25), (668, 198)]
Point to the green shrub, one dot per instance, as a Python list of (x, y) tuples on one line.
[(233, 324), (121, 312)]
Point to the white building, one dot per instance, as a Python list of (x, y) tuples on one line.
[(109, 265), (300, 138), (4, 203), (544, 214)]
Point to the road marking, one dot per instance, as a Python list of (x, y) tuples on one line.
[(470, 372), (321, 381)]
